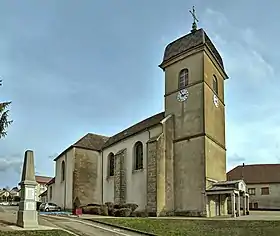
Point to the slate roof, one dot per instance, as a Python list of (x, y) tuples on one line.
[(98, 142), (42, 179), (188, 42), (256, 174), (139, 127)]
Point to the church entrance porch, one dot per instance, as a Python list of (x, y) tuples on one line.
[(227, 198)]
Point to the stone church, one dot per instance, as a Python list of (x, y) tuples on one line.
[(173, 163)]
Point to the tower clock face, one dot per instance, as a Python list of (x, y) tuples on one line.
[(182, 95), (215, 100)]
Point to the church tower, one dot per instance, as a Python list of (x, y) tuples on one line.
[(194, 95)]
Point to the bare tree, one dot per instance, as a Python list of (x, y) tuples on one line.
[(4, 121)]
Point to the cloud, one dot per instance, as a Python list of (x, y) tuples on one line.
[(11, 163), (252, 132)]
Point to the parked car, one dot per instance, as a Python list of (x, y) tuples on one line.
[(48, 206)]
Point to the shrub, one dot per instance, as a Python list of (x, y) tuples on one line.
[(124, 212), (131, 206), (139, 214), (104, 210), (93, 204)]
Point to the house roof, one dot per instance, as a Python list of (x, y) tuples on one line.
[(42, 179), (98, 142), (52, 181), (256, 174), (190, 41), (43, 194)]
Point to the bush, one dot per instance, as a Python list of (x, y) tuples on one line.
[(104, 210), (124, 212), (139, 214), (93, 204), (131, 206)]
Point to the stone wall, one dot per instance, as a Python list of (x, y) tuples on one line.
[(86, 176), (152, 177), (120, 177)]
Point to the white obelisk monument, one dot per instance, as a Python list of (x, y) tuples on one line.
[(27, 216)]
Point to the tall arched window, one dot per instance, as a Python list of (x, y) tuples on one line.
[(215, 84), (138, 156), (62, 171), (183, 78), (111, 164)]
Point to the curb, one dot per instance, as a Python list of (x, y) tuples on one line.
[(122, 227)]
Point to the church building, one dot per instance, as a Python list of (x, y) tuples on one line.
[(173, 163)]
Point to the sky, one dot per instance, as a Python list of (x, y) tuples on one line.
[(74, 67)]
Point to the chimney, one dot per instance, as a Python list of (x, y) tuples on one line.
[(242, 171)]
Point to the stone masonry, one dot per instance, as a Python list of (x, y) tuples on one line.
[(120, 177), (85, 175), (152, 177)]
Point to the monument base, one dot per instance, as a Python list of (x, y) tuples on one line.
[(27, 219)]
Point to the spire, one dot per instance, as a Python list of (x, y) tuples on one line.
[(194, 25)]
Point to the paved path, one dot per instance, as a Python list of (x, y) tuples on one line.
[(82, 227), (78, 227)]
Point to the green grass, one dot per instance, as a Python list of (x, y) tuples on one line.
[(187, 227), (34, 233)]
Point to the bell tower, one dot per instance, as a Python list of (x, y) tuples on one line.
[(194, 95)]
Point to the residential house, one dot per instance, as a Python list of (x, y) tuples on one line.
[(263, 184)]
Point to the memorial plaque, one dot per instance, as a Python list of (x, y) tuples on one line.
[(30, 193), (30, 206)]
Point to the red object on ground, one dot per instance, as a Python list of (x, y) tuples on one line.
[(77, 211)]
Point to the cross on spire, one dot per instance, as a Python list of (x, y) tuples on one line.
[(194, 25)]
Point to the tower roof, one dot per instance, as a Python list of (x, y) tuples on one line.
[(190, 41)]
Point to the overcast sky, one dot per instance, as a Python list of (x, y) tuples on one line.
[(73, 67)]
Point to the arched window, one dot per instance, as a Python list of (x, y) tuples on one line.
[(138, 156), (215, 84), (111, 164), (62, 171), (183, 78)]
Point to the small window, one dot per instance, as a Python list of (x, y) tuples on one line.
[(62, 171), (252, 191), (183, 78), (215, 84), (265, 191), (138, 156), (111, 164)]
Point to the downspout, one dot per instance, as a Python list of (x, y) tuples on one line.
[(102, 193)]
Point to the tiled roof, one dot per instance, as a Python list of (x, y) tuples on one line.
[(42, 179), (91, 141), (139, 127), (256, 174), (188, 42), (52, 181)]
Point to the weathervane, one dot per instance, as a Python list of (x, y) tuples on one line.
[(194, 26)]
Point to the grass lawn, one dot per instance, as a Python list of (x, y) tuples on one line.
[(175, 227), (34, 233)]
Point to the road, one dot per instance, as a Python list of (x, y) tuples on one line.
[(75, 226)]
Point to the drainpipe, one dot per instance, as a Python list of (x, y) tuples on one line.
[(102, 188)]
